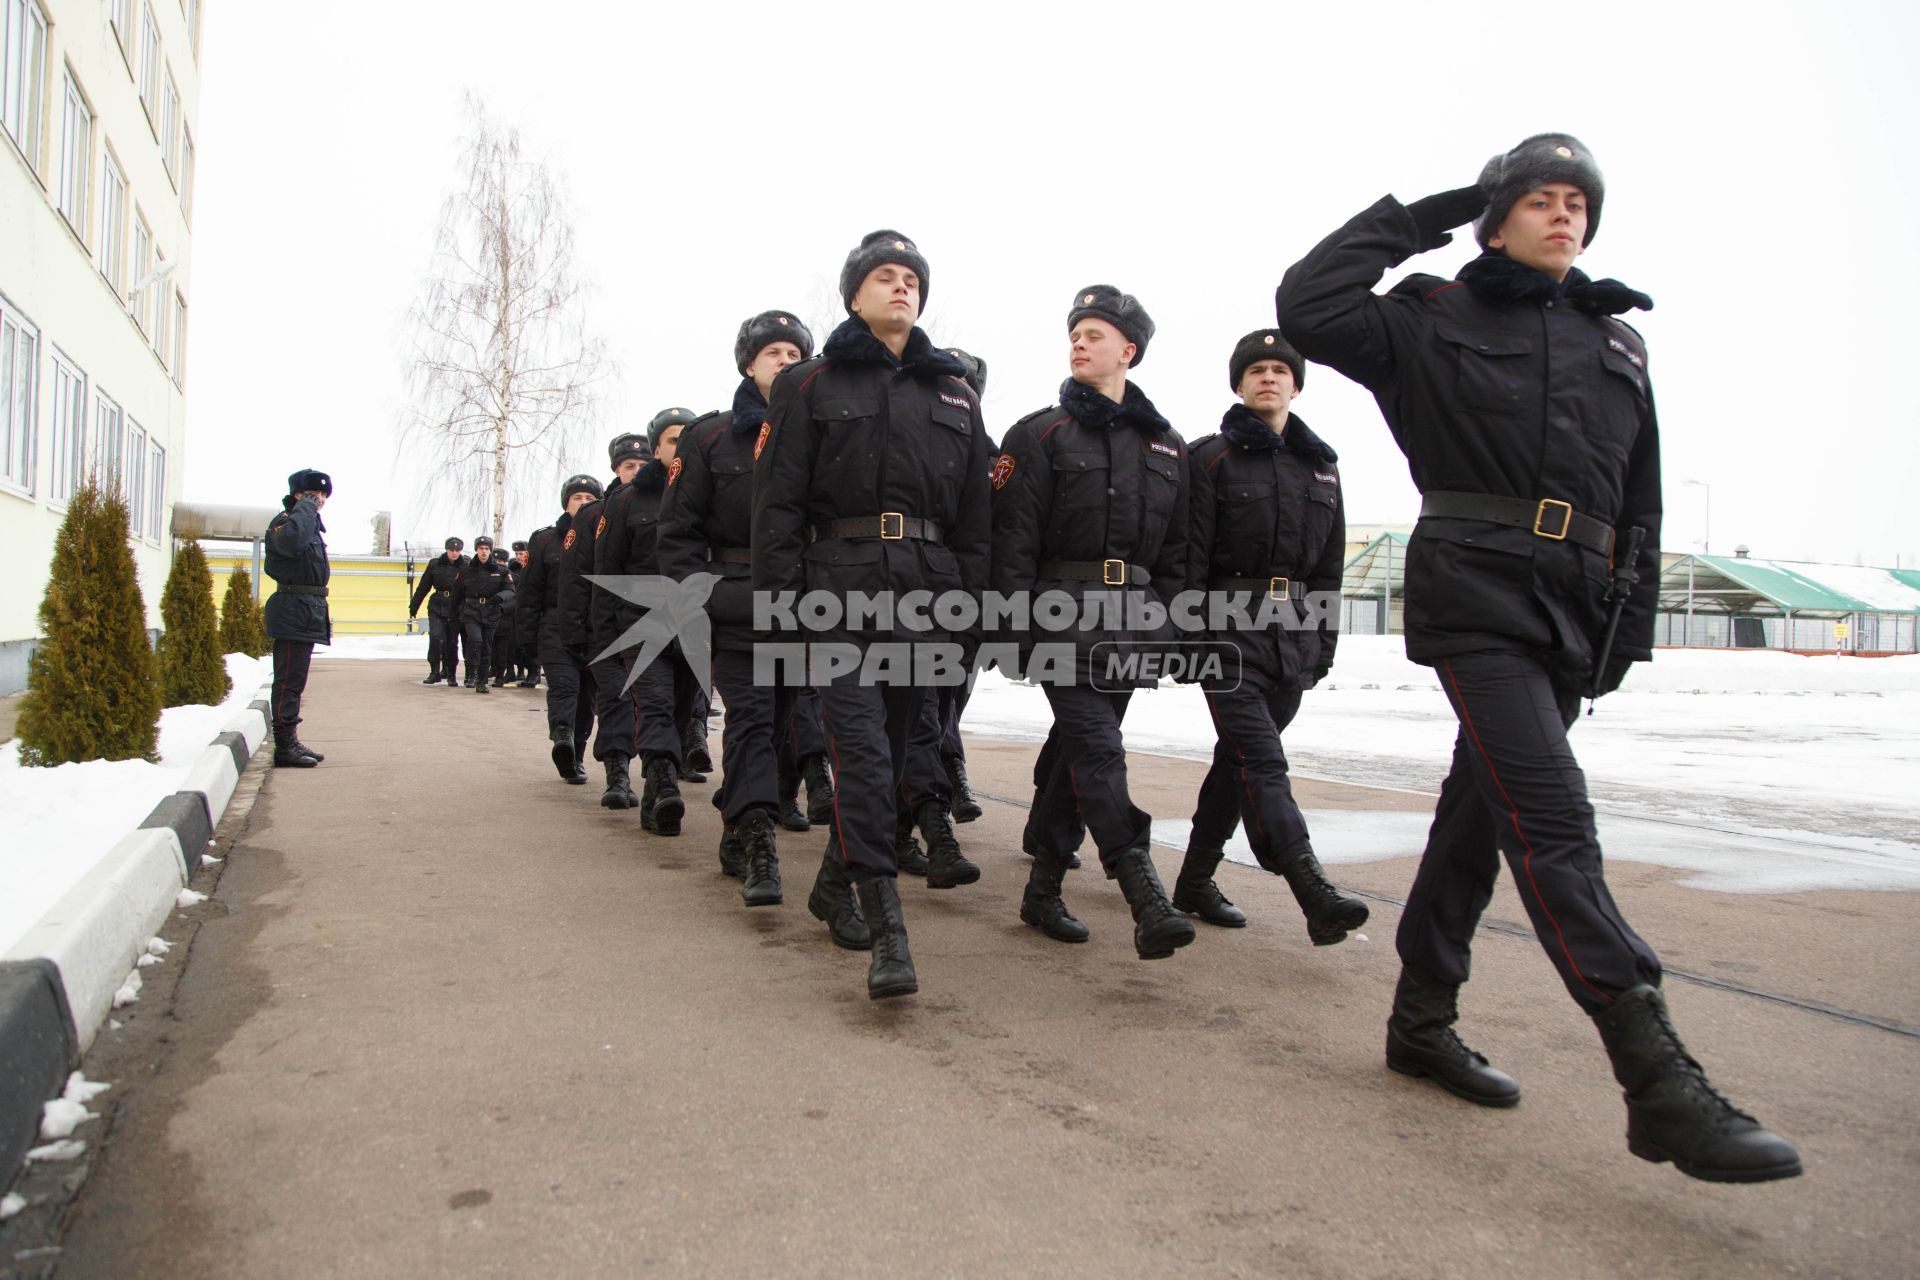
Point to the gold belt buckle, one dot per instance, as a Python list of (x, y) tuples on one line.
[(1113, 573), (899, 525), (1566, 518), (1278, 588)]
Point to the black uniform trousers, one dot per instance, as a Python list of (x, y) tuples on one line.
[(1248, 779), (659, 707), (613, 703), (1515, 788), (924, 776), (1034, 838), (751, 711), (693, 701), (799, 734), (479, 629), (570, 699), (292, 659), (953, 704), (443, 645), (1087, 778), (869, 731)]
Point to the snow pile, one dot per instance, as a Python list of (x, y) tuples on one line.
[(61, 1116), (375, 648), (61, 820)]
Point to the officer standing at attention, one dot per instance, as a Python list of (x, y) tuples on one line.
[(872, 477), (476, 599), (1090, 499), (443, 626), (1266, 524), (569, 687), (1523, 406), (295, 557)]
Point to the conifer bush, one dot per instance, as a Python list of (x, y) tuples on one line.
[(242, 629), (93, 691), (192, 672)]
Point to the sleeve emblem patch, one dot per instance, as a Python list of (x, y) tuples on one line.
[(600, 528), (766, 429), (568, 544), (1002, 471), (673, 471)]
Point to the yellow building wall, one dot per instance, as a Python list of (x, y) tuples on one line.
[(367, 595)]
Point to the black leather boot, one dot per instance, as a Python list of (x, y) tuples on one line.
[(1195, 892), (891, 971), (819, 780), (1157, 928), (733, 854), (432, 679), (1042, 906), (908, 856), (1421, 1042), (1329, 915), (695, 763), (965, 807), (790, 816), (1673, 1112), (564, 758), (1030, 843), (947, 867), (619, 792), (287, 753), (663, 816), (760, 885), (306, 750), (833, 903)]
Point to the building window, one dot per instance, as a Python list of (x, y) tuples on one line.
[(19, 363), (157, 492), (170, 130), (149, 64), (69, 428), (179, 342), (142, 265), (113, 223), (160, 314), (109, 431), (192, 9), (120, 19), (133, 472), (23, 74), (76, 157), (186, 173)]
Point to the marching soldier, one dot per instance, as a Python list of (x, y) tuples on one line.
[(295, 557), (1523, 406), (613, 741), (1266, 523), (443, 625), (500, 640), (1091, 500), (477, 594), (872, 477), (952, 699), (538, 619)]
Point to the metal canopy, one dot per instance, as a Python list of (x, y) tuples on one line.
[(1779, 588)]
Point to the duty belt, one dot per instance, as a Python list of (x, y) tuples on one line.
[(1548, 518), (297, 590), (888, 525), (1110, 572), (478, 599), (730, 555), (441, 593), (1272, 588)]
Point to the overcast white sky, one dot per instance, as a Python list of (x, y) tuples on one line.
[(721, 160)]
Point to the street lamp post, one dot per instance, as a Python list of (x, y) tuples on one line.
[(1706, 521)]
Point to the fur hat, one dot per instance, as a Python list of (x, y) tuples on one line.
[(1543, 158), (876, 248), (1264, 344), (483, 541), (519, 546), (627, 445), (757, 333), (308, 480), (976, 374), (1121, 310), (664, 419), (455, 543), (579, 484)]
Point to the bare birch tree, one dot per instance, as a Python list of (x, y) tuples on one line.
[(503, 376)]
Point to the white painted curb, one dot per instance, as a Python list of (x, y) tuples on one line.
[(251, 724), (214, 777)]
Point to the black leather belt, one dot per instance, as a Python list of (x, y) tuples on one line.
[(1548, 518), (1110, 573), (441, 593), (1273, 588), (730, 555), (478, 599), (296, 590), (888, 525)]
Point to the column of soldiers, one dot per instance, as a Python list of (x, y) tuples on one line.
[(1523, 406)]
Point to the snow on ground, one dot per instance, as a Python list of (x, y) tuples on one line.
[(375, 647), (1758, 770), (61, 820)]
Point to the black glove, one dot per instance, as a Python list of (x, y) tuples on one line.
[(1435, 216), (1615, 672)]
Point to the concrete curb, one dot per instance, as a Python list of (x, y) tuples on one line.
[(57, 982)]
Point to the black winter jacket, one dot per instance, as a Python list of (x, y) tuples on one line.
[(1086, 481), (857, 432), (576, 562), (627, 544), (537, 606), (481, 589), (1266, 506), (710, 509), (295, 555), (1506, 382), (436, 579)]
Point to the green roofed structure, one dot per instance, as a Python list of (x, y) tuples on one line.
[(1740, 602)]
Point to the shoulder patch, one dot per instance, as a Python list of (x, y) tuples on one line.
[(600, 528), (1159, 447), (673, 469), (766, 429), (567, 543), (1002, 471)]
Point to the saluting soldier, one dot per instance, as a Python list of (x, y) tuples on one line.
[(872, 478), (538, 619), (1267, 525), (477, 593), (1522, 403), (443, 625), (294, 555)]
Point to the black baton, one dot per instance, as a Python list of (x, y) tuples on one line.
[(1626, 576)]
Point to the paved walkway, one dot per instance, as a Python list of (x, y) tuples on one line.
[(446, 1016)]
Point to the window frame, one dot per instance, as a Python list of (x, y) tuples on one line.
[(25, 123), (157, 490), (147, 79), (19, 401), (138, 302), (179, 361), (187, 158), (112, 249), (133, 472), (76, 155), (109, 438), (71, 394), (170, 116)]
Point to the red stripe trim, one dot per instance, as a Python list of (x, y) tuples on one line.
[(1051, 425), (1452, 284), (810, 377), (839, 839), (1526, 863)]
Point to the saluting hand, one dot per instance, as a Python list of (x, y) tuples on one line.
[(1435, 216)]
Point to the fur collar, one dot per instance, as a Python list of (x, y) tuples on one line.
[(854, 343), (1094, 409), (1247, 429), (1498, 278), (749, 407), (651, 478)]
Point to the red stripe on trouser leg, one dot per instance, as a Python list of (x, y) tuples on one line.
[(1251, 810), (839, 840), (1513, 812)]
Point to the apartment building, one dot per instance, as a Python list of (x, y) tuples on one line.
[(99, 108)]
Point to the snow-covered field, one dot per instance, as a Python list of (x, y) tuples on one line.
[(60, 820)]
